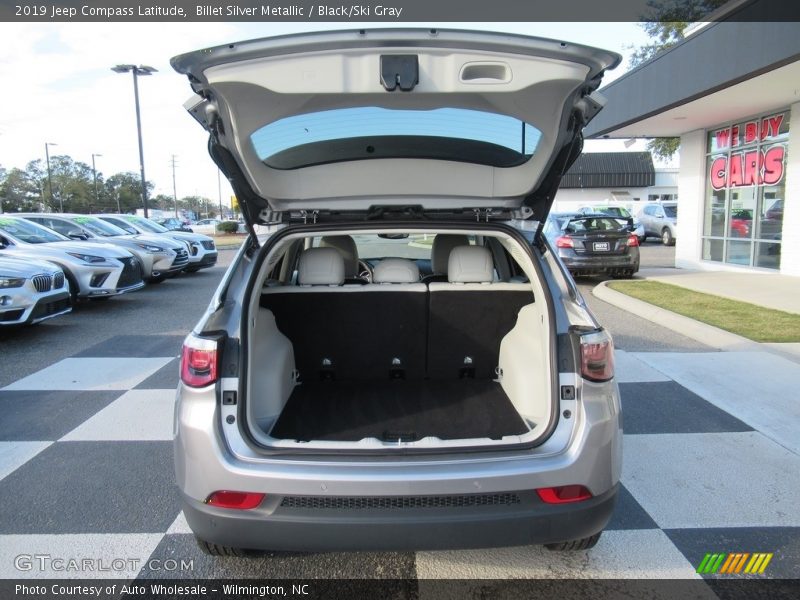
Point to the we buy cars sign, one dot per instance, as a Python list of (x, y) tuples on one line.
[(756, 166)]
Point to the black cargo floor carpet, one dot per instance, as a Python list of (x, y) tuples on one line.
[(398, 409)]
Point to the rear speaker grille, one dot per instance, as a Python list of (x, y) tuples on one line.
[(398, 502)]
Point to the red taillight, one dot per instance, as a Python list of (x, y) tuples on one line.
[(199, 361), (236, 500), (633, 240), (564, 242), (597, 356), (564, 494)]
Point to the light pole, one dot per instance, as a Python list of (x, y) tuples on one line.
[(219, 192), (94, 174), (49, 174), (137, 71)]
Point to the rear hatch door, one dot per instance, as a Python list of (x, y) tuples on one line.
[(363, 121)]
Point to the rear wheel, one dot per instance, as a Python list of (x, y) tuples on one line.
[(217, 550), (581, 544), (666, 237)]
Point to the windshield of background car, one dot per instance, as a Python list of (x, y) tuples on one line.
[(31, 233), (146, 224), (593, 225), (99, 227), (671, 211), (359, 133)]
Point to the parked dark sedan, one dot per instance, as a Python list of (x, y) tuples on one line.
[(591, 244)]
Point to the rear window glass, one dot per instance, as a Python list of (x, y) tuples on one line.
[(372, 132), (590, 225), (671, 211)]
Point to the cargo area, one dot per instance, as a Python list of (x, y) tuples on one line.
[(398, 359), (398, 411)]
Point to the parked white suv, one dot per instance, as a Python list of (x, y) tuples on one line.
[(31, 291), (404, 362)]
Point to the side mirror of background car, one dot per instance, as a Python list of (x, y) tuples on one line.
[(76, 234)]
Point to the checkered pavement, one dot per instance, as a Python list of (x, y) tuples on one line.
[(711, 457)]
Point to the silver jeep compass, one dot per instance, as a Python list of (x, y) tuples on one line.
[(396, 358)]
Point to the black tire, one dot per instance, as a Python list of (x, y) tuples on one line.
[(100, 298), (157, 279), (192, 269), (581, 544), (642, 239), (666, 237), (623, 274), (217, 550), (73, 287)]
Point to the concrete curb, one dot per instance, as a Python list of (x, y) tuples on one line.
[(703, 333)]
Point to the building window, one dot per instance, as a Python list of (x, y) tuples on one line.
[(745, 191)]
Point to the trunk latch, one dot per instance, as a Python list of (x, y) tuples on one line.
[(399, 70)]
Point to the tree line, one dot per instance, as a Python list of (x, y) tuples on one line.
[(73, 189)]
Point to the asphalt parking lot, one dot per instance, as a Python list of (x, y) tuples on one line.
[(86, 464)]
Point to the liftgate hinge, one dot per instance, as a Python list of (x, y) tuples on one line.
[(485, 212), (305, 214)]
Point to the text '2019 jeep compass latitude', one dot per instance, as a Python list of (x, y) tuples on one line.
[(403, 362)]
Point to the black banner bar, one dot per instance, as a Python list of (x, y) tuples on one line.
[(398, 589), (391, 11)]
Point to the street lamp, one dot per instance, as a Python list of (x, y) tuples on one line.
[(137, 71), (94, 174), (49, 174)]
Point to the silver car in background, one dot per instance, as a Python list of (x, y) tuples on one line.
[(93, 270), (31, 291), (158, 257), (202, 251), (660, 219)]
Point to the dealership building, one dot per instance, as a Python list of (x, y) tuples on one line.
[(731, 92)]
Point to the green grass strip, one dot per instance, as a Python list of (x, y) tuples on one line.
[(748, 320)]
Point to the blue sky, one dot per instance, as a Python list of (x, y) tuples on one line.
[(58, 87)]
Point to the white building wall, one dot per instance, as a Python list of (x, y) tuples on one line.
[(790, 246), (691, 192)]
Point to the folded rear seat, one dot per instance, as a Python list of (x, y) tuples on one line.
[(469, 316), (352, 332)]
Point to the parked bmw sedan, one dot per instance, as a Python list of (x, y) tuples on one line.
[(158, 256), (93, 270), (202, 251), (591, 244), (31, 291)]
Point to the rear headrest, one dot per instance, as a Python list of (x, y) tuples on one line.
[(443, 244), (347, 248), (396, 270), (470, 264), (320, 266)]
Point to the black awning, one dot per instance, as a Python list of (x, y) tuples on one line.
[(611, 170)]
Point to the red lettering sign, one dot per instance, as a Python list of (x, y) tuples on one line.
[(773, 164), (753, 131), (765, 167), (719, 173)]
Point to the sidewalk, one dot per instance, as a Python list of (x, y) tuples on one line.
[(780, 292)]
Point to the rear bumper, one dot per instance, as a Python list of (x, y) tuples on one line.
[(273, 526), (601, 263)]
